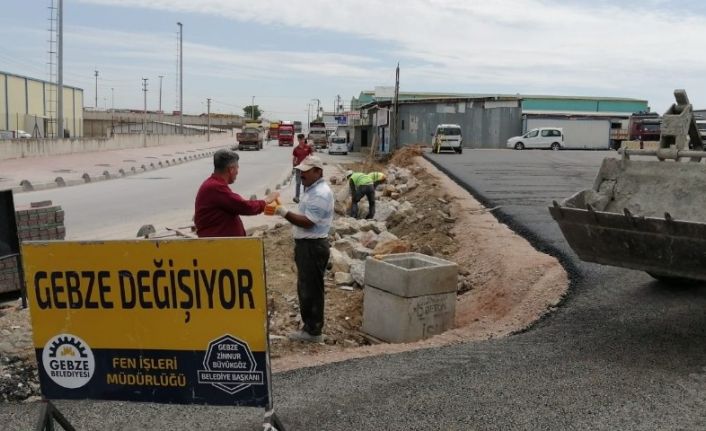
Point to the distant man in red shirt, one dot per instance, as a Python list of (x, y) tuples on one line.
[(299, 153), (218, 209)]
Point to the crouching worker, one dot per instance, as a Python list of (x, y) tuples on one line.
[(312, 222), (361, 185)]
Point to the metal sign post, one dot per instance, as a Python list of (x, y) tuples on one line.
[(168, 321)]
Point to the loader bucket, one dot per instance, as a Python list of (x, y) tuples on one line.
[(648, 215)]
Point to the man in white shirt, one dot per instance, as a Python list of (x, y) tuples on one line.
[(311, 247)]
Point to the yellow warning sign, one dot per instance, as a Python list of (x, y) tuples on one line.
[(186, 319), (148, 294)]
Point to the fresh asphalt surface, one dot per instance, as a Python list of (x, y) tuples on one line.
[(623, 352)]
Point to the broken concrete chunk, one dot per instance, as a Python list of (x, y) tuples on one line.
[(358, 272), (340, 262), (343, 278), (360, 252)]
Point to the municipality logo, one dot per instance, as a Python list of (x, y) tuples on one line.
[(68, 361), (230, 366)]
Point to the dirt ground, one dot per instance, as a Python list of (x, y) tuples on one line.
[(504, 284)]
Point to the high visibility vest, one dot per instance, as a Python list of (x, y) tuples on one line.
[(377, 176), (361, 179)]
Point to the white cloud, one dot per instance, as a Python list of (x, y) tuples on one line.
[(547, 46)]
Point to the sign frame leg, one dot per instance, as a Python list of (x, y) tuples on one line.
[(49, 413), (272, 422)]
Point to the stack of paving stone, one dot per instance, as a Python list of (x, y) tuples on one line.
[(40, 221)]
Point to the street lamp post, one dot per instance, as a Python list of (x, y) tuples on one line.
[(318, 104), (252, 108)]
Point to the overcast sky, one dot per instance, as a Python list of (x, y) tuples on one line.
[(286, 53)]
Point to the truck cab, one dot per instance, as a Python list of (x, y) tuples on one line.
[(286, 135)]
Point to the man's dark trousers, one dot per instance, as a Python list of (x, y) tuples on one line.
[(311, 257), (367, 191)]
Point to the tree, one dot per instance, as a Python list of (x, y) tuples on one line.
[(248, 111)]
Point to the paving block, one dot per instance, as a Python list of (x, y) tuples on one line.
[(396, 319), (411, 274)]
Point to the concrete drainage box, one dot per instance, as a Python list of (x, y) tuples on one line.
[(409, 297)]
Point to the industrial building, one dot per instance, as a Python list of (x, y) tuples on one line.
[(487, 120), (29, 104)]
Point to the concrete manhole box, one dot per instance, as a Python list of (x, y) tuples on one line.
[(409, 297)]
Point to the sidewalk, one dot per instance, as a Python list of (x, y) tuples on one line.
[(39, 173)]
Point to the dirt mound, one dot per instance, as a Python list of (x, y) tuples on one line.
[(405, 156), (504, 284)]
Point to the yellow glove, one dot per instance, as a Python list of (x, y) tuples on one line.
[(275, 208), (271, 207)]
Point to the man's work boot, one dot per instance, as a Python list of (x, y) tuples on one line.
[(306, 337)]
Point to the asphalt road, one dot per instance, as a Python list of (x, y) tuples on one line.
[(165, 197), (622, 352)]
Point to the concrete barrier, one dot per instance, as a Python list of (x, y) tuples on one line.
[(16, 148)]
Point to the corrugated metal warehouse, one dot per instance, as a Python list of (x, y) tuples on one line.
[(486, 120), (25, 104)]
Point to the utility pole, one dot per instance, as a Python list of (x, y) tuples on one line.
[(308, 114), (181, 77), (252, 108), (60, 70), (144, 118), (160, 92), (112, 98), (208, 119), (395, 125), (96, 75)]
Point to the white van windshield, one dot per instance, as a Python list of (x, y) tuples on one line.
[(448, 131)]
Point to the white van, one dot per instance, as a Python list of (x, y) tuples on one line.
[(447, 137), (337, 145), (543, 137)]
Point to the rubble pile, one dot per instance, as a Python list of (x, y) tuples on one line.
[(18, 379)]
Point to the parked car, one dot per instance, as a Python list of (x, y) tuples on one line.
[(543, 137), (21, 134), (447, 137), (337, 145)]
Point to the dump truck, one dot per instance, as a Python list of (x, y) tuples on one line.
[(318, 134), (249, 139), (646, 209)]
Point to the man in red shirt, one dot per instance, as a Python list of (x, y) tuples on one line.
[(299, 153), (218, 209)]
